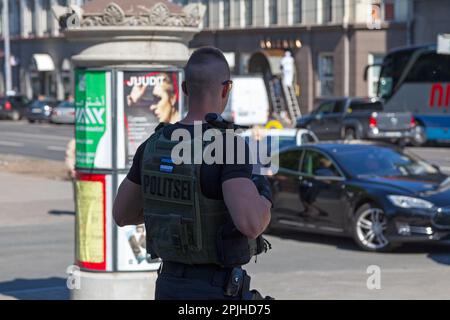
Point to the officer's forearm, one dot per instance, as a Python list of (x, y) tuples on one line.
[(266, 214), (250, 211)]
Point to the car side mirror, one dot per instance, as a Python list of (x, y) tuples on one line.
[(325, 172)]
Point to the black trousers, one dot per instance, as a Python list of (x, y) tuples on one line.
[(183, 282)]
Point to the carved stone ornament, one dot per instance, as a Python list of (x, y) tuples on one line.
[(158, 15)]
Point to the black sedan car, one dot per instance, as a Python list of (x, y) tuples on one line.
[(375, 193)]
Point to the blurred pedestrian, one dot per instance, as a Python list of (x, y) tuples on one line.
[(287, 66)]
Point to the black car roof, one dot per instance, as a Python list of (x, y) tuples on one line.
[(430, 47), (342, 146)]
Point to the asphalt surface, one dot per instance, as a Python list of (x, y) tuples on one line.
[(37, 241), (49, 141), (37, 246), (38, 140)]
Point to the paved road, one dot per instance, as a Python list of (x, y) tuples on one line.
[(37, 241), (438, 156), (46, 141), (37, 245)]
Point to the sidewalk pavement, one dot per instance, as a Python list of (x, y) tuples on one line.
[(36, 236)]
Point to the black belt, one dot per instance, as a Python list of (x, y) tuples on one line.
[(214, 274)]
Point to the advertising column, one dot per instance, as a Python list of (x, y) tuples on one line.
[(145, 98)]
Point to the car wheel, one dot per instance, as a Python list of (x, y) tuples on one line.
[(31, 121), (369, 229), (419, 138), (349, 134), (15, 116)]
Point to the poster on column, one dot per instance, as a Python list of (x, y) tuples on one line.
[(131, 248), (92, 119), (149, 97)]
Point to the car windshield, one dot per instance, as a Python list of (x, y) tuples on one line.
[(41, 103), (382, 161), (66, 104), (271, 142)]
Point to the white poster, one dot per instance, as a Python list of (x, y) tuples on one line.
[(131, 248)]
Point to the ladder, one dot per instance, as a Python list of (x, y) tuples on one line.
[(292, 103), (277, 100)]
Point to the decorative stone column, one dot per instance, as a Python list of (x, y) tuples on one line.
[(126, 34)]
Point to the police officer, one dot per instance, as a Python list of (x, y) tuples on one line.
[(203, 220)]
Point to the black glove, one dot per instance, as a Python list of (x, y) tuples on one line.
[(263, 186)]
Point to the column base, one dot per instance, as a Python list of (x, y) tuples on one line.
[(115, 286)]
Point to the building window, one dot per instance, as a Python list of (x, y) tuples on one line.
[(248, 12), (1, 18), (32, 15), (388, 10), (206, 16), (17, 15), (326, 75), (226, 13), (49, 16), (298, 11), (327, 10), (373, 74), (273, 11)]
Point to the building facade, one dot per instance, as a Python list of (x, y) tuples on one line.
[(331, 40), (40, 55)]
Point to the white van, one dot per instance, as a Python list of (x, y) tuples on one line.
[(248, 103)]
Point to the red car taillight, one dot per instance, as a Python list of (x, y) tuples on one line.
[(412, 122), (7, 105), (373, 121)]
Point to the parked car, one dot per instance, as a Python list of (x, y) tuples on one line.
[(40, 110), (376, 193), (248, 103), (13, 107), (64, 112), (285, 138), (357, 118)]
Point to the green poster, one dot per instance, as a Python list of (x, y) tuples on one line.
[(91, 96)]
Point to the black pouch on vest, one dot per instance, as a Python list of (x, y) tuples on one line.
[(232, 246)]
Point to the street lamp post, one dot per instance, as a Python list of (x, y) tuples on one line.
[(6, 46)]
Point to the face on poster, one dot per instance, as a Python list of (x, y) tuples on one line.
[(150, 97)]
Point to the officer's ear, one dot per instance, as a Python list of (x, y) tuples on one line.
[(225, 90), (184, 88)]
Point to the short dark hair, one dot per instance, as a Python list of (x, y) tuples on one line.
[(205, 68)]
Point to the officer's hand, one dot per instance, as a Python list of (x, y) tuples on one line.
[(263, 186)]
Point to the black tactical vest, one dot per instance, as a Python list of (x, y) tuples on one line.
[(181, 224)]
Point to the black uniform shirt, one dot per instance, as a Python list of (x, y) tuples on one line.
[(211, 175)]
